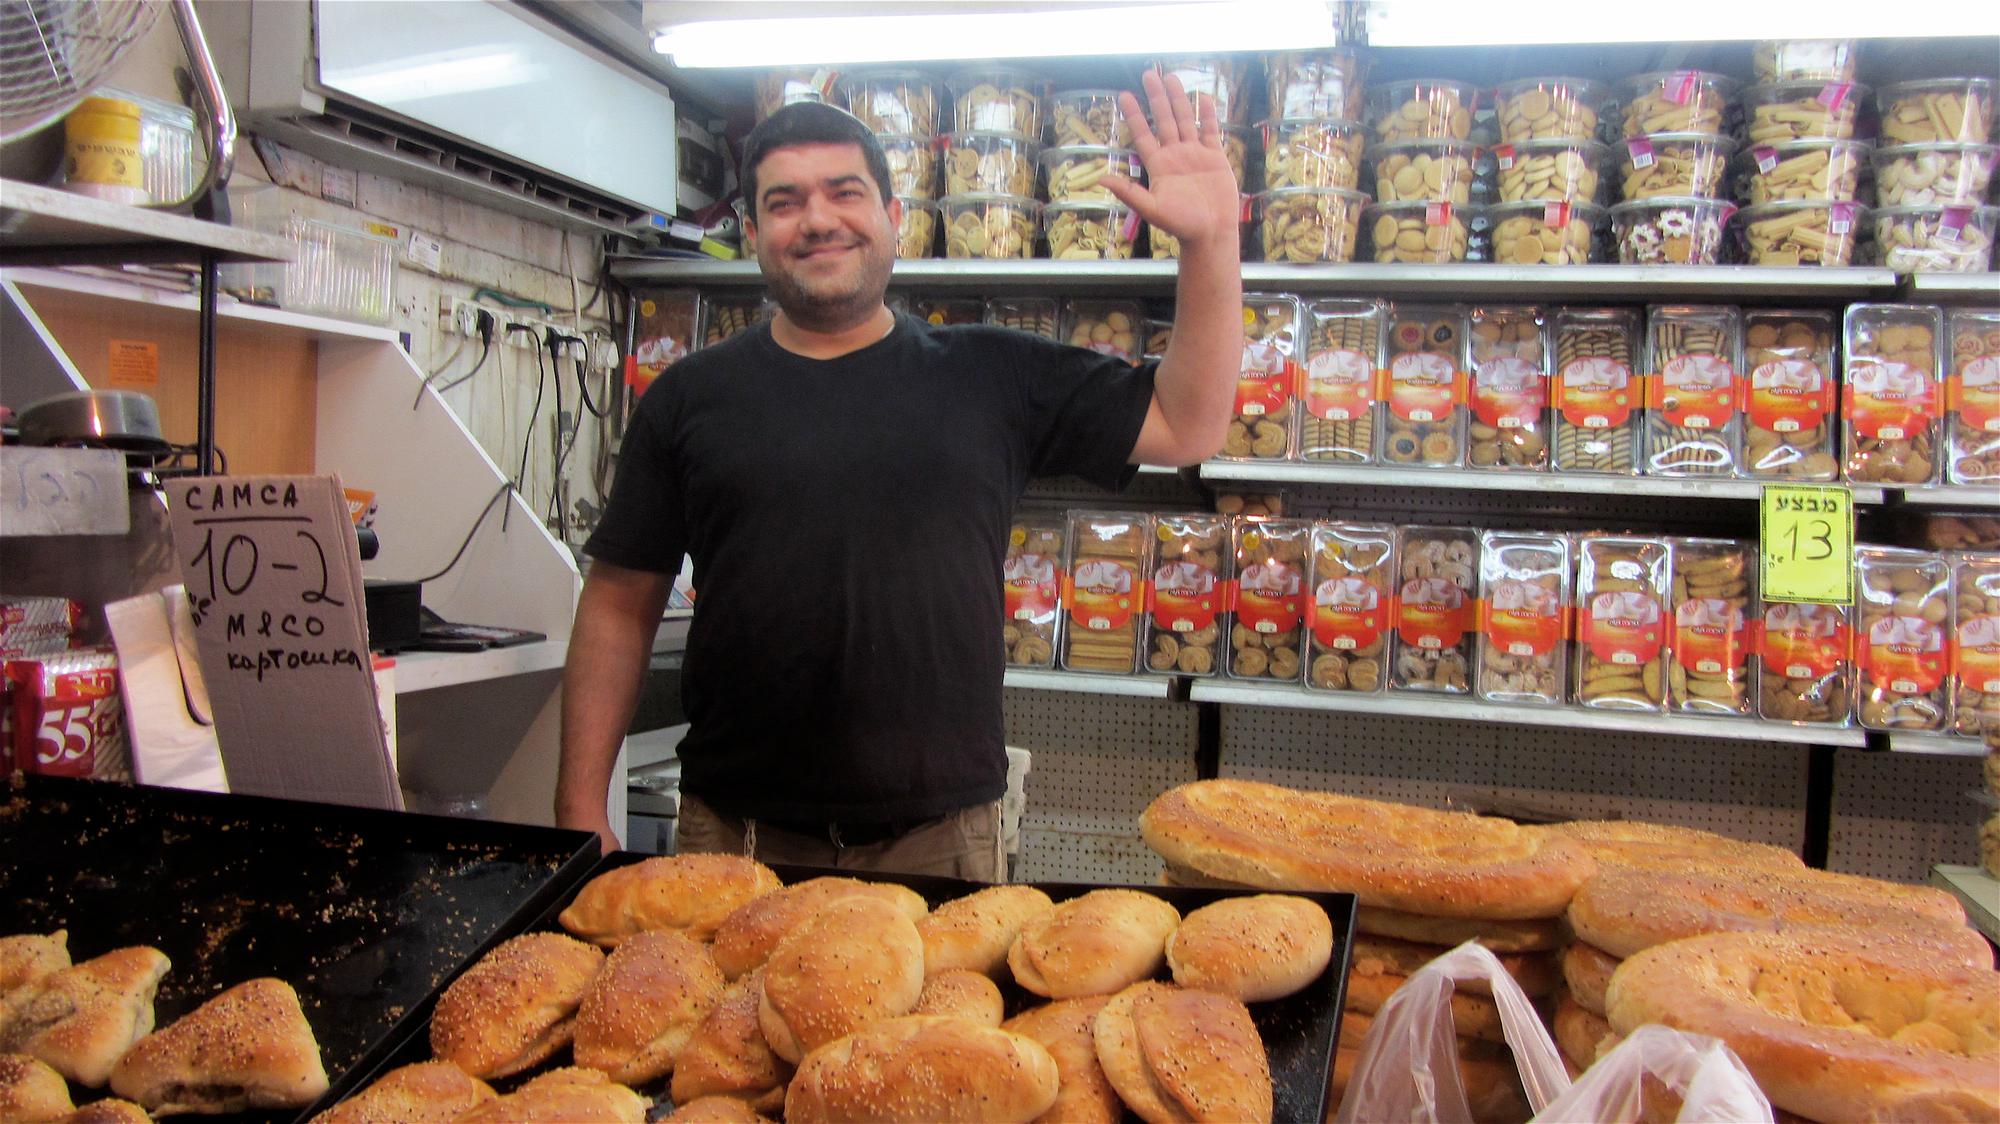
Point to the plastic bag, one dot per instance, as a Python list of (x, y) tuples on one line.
[(1652, 1069), (1408, 1068)]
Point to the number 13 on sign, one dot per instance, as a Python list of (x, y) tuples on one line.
[(1806, 544)]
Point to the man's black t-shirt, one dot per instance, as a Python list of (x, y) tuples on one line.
[(847, 519)]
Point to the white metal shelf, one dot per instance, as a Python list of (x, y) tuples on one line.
[(1936, 744), (1385, 476), (1472, 710), (228, 309), (1977, 890), (1951, 495), (1464, 280), (37, 221), (1131, 686), (1952, 287)]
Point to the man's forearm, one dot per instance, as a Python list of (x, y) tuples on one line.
[(1196, 384), (608, 653)]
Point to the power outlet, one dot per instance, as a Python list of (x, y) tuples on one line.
[(458, 315)]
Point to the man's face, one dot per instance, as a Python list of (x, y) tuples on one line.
[(824, 241)]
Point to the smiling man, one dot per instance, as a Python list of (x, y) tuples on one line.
[(844, 478)]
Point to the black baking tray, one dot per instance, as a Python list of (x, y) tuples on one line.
[(1299, 1031), (366, 913)]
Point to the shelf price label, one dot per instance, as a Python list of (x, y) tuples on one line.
[(1805, 544)]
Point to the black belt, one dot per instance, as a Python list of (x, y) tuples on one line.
[(848, 833)]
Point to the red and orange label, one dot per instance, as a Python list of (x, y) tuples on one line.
[(1340, 385), (1510, 393), (1269, 597), (1623, 628), (1697, 391), (1264, 384), (1888, 400), (1596, 392), (1904, 654), (1433, 614), (1424, 387), (1349, 613), (1804, 641), (1710, 636), (1522, 618), (1105, 593), (1030, 583), (1979, 654), (1975, 394), (1788, 396), (1184, 597)]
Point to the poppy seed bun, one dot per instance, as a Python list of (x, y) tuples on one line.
[(1255, 948)]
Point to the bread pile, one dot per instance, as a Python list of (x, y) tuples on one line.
[(91, 1024), (1426, 881), (834, 999)]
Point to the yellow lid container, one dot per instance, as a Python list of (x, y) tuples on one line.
[(102, 150)]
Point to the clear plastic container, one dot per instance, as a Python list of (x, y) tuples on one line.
[(1597, 396), (1266, 627), (989, 226), (1623, 628), (1533, 109), (1932, 239), (1186, 599), (998, 163), (1903, 608), (1567, 171), (1429, 109), (1777, 112), (1160, 245), (1431, 233), (1791, 398), (1264, 421), (1109, 558), (1801, 233), (1423, 171), (1972, 454), (899, 102), (1893, 396), (778, 87), (916, 234), (1545, 233), (1681, 164), (171, 157), (1223, 78), (335, 271), (1509, 393), (1031, 577), (1933, 110), (1694, 421), (1976, 680), (1805, 673), (1330, 83), (1076, 173), (1804, 60), (1158, 334), (1312, 152), (1714, 606), (913, 166), (1436, 610), (1677, 101), (1089, 117), (1670, 230), (948, 310), (1309, 224), (1034, 315), (1343, 353), (1353, 594), (1236, 143), (1423, 415), (724, 317), (1108, 326), (1828, 170), (1523, 602), (1086, 231), (1908, 175), (997, 99)]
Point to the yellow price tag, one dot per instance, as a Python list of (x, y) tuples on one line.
[(1805, 544)]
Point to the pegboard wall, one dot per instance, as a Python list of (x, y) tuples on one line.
[(1097, 761), (1754, 792), (1895, 815)]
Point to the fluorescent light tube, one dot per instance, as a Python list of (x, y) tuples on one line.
[(1193, 27), (1476, 23)]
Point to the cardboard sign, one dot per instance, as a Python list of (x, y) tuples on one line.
[(1805, 544), (274, 585)]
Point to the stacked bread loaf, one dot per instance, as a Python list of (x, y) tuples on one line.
[(1426, 881)]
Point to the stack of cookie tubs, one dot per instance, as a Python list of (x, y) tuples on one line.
[(1673, 152), (1313, 141), (902, 107), (1550, 171), (1425, 169)]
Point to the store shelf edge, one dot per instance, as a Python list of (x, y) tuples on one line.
[(1135, 686)]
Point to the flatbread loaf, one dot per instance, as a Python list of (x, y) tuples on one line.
[(82, 1019), (1177, 1055), (249, 1047), (653, 991), (1581, 1034), (961, 993), (1255, 948), (423, 1093), (746, 937), (1390, 856), (516, 1007), (690, 894), (1492, 1086), (922, 1069), (1633, 843), (1539, 935), (1093, 944), (1861, 1027), (855, 962), (1066, 1028), (1472, 1016), (1587, 972), (976, 931), (727, 1055), (563, 1096), (1536, 972)]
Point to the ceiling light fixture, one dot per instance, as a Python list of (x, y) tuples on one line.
[(1478, 23)]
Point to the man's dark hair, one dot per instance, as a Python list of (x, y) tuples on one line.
[(809, 122)]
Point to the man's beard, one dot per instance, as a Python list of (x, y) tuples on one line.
[(827, 304)]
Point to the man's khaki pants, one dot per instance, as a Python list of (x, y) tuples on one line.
[(964, 844)]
